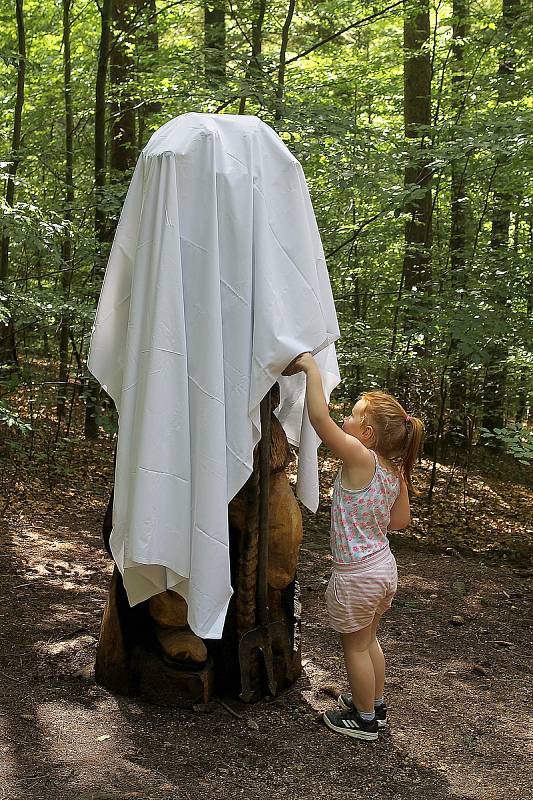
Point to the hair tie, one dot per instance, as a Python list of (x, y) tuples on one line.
[(407, 418)]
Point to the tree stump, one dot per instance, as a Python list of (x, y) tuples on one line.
[(149, 651)]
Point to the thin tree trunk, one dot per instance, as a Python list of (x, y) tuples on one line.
[(459, 197), (253, 70), (8, 351), (215, 41), (66, 245), (459, 219), (100, 223), (282, 59), (417, 118), (523, 411), (147, 46), (92, 390), (440, 425), (494, 393), (395, 327)]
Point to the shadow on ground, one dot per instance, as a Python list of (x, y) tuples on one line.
[(457, 647)]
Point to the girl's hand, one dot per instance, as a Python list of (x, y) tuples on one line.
[(301, 363)]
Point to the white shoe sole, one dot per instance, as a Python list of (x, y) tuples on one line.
[(382, 723), (354, 733)]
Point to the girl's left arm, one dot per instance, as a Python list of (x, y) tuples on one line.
[(400, 513)]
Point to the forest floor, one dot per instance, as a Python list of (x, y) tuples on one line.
[(457, 640)]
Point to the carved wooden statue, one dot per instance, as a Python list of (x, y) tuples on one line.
[(150, 651)]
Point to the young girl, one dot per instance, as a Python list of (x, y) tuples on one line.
[(369, 498)]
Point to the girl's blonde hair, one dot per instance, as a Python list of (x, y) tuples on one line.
[(398, 436)]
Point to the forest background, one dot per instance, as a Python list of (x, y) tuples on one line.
[(410, 119)]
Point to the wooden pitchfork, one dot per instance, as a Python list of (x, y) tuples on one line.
[(266, 633)]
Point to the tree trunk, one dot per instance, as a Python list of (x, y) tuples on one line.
[(100, 132), (147, 46), (494, 389), (525, 396), (66, 245), (282, 58), (121, 68), (8, 351), (459, 198), (253, 70), (417, 176), (417, 118), (459, 221), (92, 390), (215, 41)]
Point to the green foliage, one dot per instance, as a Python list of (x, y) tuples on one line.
[(11, 419), (516, 440), (342, 117)]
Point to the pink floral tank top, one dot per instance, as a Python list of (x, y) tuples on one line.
[(360, 517)]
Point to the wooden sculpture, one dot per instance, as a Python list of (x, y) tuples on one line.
[(150, 651)]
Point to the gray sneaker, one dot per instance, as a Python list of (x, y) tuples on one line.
[(345, 702), (351, 724)]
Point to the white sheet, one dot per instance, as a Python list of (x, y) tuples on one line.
[(216, 281)]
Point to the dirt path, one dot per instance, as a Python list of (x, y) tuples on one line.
[(458, 693)]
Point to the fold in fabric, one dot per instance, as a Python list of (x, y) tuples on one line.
[(216, 281)]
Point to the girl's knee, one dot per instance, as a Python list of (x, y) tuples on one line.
[(358, 640)]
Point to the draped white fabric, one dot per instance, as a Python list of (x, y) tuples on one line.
[(216, 281)]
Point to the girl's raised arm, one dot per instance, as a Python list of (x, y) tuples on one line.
[(349, 449)]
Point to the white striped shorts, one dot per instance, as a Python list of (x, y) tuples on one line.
[(358, 591)]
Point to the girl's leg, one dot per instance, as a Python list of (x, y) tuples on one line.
[(378, 659), (360, 668)]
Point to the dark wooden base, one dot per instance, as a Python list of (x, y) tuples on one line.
[(166, 685), (129, 660)]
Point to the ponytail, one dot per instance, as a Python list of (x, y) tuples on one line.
[(415, 436)]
